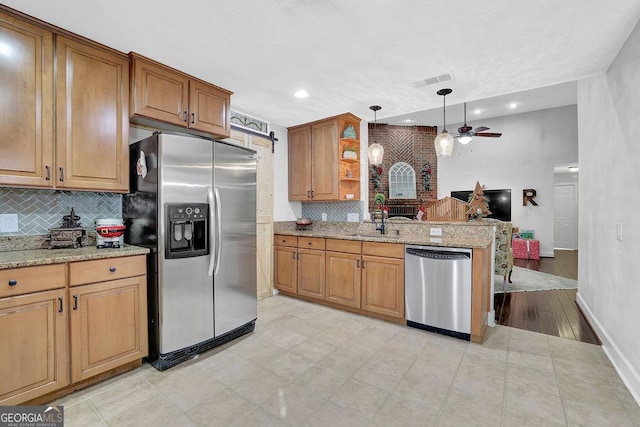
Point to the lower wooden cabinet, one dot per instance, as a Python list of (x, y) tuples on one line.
[(52, 335), (33, 353), (108, 325), (367, 277)]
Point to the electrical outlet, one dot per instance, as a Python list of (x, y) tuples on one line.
[(324, 216), (619, 231), (9, 223), (353, 217), (435, 231)]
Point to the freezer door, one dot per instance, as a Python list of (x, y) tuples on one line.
[(235, 293), (185, 290)]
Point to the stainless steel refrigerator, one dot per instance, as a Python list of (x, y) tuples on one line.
[(193, 203)]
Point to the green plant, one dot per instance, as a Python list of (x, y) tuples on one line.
[(379, 198), (351, 148)]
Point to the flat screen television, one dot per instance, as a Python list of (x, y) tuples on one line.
[(499, 202)]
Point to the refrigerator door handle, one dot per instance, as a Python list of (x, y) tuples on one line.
[(218, 230), (211, 203)]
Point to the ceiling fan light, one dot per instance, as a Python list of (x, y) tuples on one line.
[(444, 144), (465, 138), (375, 152)]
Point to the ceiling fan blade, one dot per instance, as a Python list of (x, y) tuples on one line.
[(489, 134), (480, 129)]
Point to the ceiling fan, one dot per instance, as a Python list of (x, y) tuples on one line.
[(467, 132)]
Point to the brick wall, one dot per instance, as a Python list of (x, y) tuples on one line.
[(412, 145)]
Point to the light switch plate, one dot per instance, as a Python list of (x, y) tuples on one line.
[(353, 217), (9, 223), (619, 231), (324, 216), (435, 231)]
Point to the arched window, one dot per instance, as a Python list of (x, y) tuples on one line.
[(402, 181)]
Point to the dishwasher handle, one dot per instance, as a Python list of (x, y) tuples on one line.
[(440, 255)]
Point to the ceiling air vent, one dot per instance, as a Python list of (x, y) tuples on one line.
[(432, 80)]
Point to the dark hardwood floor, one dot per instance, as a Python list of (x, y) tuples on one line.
[(549, 312)]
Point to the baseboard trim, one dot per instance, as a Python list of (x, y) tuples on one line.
[(547, 254), (628, 374)]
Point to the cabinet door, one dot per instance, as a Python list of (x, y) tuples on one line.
[(92, 120), (33, 354), (311, 269), (343, 278), (158, 92), (324, 161), (383, 285), (108, 325), (299, 147), (209, 109), (285, 269), (26, 104)]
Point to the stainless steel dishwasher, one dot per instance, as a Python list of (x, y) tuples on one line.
[(438, 289)]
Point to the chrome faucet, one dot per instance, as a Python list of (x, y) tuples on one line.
[(379, 227)]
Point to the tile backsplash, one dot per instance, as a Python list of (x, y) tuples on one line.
[(40, 210), (336, 211)]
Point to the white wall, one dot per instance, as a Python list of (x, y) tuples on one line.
[(608, 291), (283, 209), (523, 158)]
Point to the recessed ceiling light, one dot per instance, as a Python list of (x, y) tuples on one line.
[(301, 94), (513, 105), (5, 49), (477, 111), (407, 121), (573, 168)]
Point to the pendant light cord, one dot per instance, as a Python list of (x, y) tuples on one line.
[(444, 113)]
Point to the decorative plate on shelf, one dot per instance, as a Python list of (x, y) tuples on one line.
[(349, 132)]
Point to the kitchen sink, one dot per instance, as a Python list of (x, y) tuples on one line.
[(375, 235)]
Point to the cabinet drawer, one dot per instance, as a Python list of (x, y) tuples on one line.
[(311, 243), (348, 246), (282, 240), (391, 250), (101, 270), (24, 280)]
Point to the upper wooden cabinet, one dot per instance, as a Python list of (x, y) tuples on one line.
[(92, 120), (26, 112), (318, 168), (90, 139), (161, 93)]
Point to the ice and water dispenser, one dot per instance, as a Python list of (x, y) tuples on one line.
[(186, 230)]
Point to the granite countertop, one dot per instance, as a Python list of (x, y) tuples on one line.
[(31, 257), (407, 238)]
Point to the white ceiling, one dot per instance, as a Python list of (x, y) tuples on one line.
[(350, 54)]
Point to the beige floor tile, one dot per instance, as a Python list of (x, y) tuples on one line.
[(575, 371), (548, 408), (229, 368), (82, 414), (467, 408), (259, 351), (155, 411), (70, 399), (396, 411), (513, 418), (324, 381), (572, 350), (497, 337), (335, 416), (476, 351), (441, 370), (601, 396), (438, 352), (538, 362), (424, 389), (222, 409), (121, 396), (343, 361), (364, 345), (313, 349), (294, 404), (333, 336), (102, 386), (384, 370), (260, 385), (523, 381), (185, 387), (408, 341), (359, 397), (259, 417), (528, 342), (290, 366), (579, 413)]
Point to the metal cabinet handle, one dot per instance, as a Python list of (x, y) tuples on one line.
[(13, 282), (193, 118), (294, 255), (308, 194), (61, 174), (75, 302), (363, 264), (312, 194), (358, 264), (60, 308), (186, 116), (48, 177), (298, 255), (112, 269)]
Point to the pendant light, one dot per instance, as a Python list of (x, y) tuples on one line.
[(375, 151), (444, 141)]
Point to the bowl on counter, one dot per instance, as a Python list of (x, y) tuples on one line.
[(304, 221), (349, 196)]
